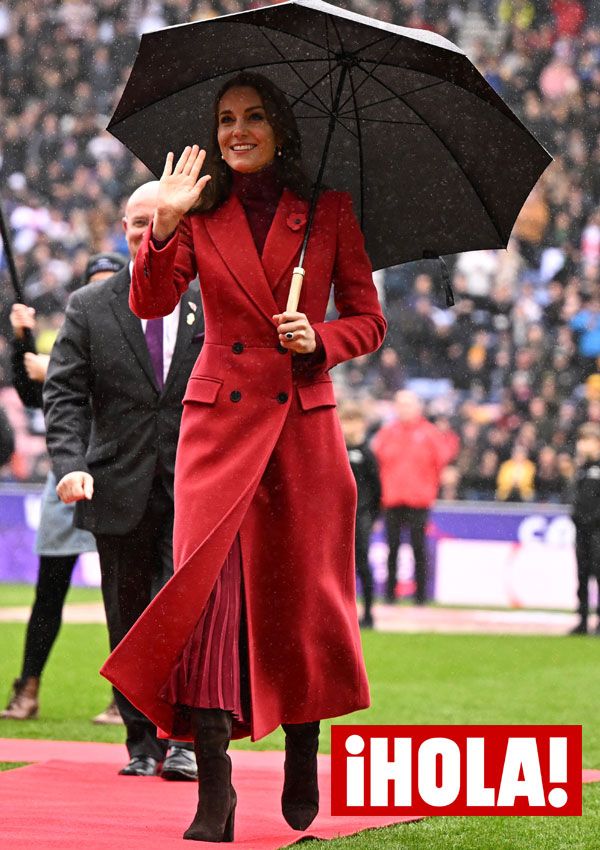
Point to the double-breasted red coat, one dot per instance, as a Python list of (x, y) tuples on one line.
[(261, 451)]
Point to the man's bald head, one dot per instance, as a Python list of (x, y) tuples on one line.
[(408, 406), (139, 212)]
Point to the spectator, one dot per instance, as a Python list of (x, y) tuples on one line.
[(569, 16), (411, 453), (548, 482), (58, 543), (480, 484), (566, 470), (364, 468), (519, 310), (586, 516), (587, 324), (515, 482)]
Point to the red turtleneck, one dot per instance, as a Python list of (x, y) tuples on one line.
[(259, 193)]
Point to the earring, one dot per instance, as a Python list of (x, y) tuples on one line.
[(279, 150)]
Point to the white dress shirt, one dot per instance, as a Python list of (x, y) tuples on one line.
[(170, 326)]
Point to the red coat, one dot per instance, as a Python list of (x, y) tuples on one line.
[(262, 451), (411, 456)]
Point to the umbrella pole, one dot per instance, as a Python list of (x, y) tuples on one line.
[(27, 338), (9, 256), (298, 273)]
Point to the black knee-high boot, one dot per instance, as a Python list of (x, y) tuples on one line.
[(300, 797), (217, 799)]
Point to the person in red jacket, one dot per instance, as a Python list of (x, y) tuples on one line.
[(569, 17), (411, 453), (257, 628)]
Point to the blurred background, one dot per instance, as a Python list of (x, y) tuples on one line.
[(508, 374)]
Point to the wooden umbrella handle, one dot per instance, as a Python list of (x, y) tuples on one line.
[(295, 287)]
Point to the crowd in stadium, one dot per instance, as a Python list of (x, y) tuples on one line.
[(513, 369)]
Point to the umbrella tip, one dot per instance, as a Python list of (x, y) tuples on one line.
[(433, 255)]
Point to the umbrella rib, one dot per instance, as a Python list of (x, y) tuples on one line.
[(319, 117), (216, 77), (310, 87), (343, 65), (360, 152), (292, 67), (369, 74), (337, 32), (324, 113), (394, 97), (443, 142), (393, 121), (346, 128), (379, 40), (329, 54), (301, 38)]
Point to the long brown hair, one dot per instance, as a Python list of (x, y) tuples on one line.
[(289, 166)]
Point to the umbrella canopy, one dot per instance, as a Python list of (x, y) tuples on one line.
[(435, 160)]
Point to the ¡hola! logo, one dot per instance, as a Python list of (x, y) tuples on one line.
[(456, 770)]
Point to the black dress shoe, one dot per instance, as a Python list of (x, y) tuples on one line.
[(580, 629), (180, 765), (140, 766)]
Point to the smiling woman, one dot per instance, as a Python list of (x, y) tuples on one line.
[(251, 112), (258, 626), (245, 136)]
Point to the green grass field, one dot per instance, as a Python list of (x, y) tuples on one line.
[(415, 679), (22, 594)]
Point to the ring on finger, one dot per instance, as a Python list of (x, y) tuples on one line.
[(289, 335)]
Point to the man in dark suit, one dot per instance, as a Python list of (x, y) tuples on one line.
[(133, 374)]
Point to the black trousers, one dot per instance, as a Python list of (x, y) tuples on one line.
[(364, 524), (53, 582), (134, 567), (416, 521), (587, 550)]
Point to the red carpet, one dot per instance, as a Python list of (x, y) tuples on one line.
[(69, 805), (73, 798)]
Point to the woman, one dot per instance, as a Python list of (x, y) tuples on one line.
[(258, 625), (58, 542)]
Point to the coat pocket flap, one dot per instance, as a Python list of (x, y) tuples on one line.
[(317, 394), (103, 451), (201, 388)]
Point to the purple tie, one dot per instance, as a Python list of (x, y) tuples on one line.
[(154, 341)]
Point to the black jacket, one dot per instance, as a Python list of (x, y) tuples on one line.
[(366, 472), (586, 497), (100, 358)]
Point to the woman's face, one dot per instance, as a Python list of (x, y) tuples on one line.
[(246, 139)]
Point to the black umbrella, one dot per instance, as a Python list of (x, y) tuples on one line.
[(435, 160), (8, 253), (28, 340)]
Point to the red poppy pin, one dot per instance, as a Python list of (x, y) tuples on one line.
[(296, 220)]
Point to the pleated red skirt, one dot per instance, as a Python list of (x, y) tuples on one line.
[(212, 671)]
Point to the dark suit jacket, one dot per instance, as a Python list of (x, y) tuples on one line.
[(100, 357)]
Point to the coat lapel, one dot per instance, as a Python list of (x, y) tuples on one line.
[(230, 232), (282, 245), (186, 329), (131, 324)]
